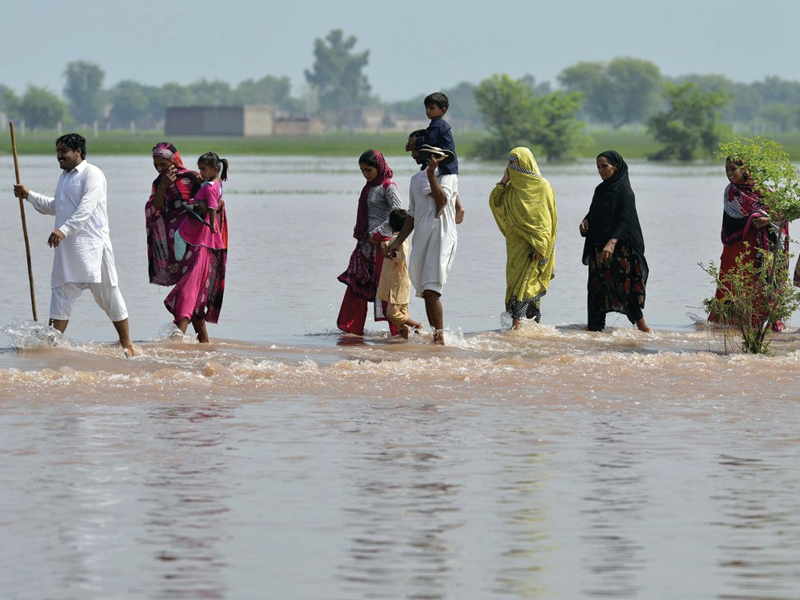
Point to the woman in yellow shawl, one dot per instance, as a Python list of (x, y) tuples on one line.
[(524, 206)]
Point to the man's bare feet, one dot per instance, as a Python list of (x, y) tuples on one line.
[(438, 337), (642, 326), (124, 336)]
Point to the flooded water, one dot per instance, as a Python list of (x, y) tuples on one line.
[(287, 461)]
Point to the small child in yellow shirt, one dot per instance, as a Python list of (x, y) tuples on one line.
[(394, 285)]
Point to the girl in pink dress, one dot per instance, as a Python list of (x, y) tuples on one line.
[(201, 245)]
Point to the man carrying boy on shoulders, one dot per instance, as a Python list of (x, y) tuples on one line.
[(432, 218)]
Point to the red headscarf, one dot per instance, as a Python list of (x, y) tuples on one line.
[(185, 185), (748, 200), (383, 178), (170, 152)]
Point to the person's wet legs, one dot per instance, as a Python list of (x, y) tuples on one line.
[(124, 336), (433, 308)]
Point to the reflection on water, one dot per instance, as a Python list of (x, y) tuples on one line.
[(525, 516), (513, 495), (114, 494), (617, 495), (404, 508), (184, 502), (749, 506)]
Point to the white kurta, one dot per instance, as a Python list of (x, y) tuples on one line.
[(81, 213), (435, 240)]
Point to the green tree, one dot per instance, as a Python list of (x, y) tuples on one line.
[(635, 84), (559, 130), (42, 108), (775, 89), (337, 74), (779, 117), (690, 122), (169, 94), (539, 89), (740, 108), (8, 99), (507, 106), (84, 91), (515, 116), (589, 79), (623, 91), (754, 104), (708, 83), (211, 93), (130, 102), (267, 90), (746, 103)]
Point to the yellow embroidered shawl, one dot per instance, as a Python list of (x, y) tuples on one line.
[(525, 212)]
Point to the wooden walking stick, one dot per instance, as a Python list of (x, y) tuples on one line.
[(24, 224)]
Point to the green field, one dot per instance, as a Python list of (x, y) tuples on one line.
[(631, 144), (141, 142)]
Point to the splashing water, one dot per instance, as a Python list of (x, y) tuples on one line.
[(29, 335)]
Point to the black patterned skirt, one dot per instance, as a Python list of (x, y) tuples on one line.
[(618, 286)]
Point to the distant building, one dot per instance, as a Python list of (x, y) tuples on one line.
[(245, 121)]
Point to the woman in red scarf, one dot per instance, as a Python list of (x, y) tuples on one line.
[(165, 211), (745, 227), (378, 197)]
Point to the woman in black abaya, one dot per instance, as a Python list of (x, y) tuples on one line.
[(614, 247)]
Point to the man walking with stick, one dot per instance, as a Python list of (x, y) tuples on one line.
[(84, 258)]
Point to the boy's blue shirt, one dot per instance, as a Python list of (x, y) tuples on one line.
[(438, 134)]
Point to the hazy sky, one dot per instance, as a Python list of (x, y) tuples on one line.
[(415, 47)]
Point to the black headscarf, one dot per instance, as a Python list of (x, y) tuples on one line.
[(612, 213)]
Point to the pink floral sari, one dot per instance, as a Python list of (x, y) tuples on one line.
[(199, 274)]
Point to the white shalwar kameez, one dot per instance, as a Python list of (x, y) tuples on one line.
[(435, 240), (84, 259)]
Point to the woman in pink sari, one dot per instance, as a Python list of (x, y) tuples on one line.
[(197, 270)]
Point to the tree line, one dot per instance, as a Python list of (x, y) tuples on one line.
[(86, 101), (687, 111)]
